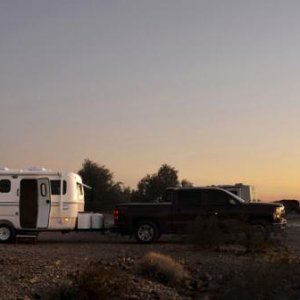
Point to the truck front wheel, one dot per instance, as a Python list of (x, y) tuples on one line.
[(260, 231), (146, 232)]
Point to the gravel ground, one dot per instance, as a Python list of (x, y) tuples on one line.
[(29, 271)]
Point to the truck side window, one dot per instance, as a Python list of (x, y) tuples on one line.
[(218, 198), (190, 198), (5, 186), (169, 196)]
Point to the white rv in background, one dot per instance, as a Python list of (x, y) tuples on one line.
[(246, 192), (36, 199)]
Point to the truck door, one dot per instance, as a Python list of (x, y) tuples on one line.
[(190, 205), (220, 205), (44, 203)]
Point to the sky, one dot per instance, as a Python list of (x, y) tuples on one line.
[(208, 87)]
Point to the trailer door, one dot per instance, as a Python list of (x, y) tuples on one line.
[(44, 203), (28, 203)]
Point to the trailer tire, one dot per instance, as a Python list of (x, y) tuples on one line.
[(146, 232), (7, 233)]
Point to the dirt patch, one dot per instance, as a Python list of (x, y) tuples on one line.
[(32, 271)]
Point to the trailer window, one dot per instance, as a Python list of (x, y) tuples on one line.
[(79, 189), (43, 190), (55, 187), (5, 186)]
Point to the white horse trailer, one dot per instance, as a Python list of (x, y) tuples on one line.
[(35, 200)]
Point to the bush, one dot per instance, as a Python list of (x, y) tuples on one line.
[(212, 232), (95, 282), (161, 268), (205, 232)]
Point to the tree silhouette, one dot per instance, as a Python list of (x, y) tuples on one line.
[(105, 192), (152, 188)]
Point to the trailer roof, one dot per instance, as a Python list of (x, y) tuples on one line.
[(30, 171)]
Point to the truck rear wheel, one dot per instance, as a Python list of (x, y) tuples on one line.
[(7, 233), (146, 232)]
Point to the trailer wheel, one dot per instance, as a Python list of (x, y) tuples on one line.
[(7, 233), (146, 232)]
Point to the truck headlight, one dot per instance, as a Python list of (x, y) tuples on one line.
[(279, 211)]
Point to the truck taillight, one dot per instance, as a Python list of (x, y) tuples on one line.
[(116, 214)]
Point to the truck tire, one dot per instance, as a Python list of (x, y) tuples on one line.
[(7, 233), (146, 232)]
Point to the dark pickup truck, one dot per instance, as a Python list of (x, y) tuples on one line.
[(148, 221)]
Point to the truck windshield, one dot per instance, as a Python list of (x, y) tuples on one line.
[(235, 197)]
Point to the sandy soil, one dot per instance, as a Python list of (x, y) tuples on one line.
[(28, 271)]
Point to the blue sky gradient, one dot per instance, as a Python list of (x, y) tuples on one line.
[(209, 87)]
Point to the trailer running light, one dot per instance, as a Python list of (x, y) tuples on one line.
[(66, 220), (116, 214)]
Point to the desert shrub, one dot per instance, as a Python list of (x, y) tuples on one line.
[(95, 282), (161, 268), (263, 282), (102, 283), (205, 232), (212, 232), (258, 238)]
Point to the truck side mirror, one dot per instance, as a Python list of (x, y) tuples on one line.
[(232, 202)]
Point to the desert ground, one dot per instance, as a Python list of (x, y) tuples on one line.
[(37, 271)]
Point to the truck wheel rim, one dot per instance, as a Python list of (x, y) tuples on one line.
[(4, 233), (146, 233)]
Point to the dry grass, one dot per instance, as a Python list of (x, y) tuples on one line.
[(95, 282), (162, 268)]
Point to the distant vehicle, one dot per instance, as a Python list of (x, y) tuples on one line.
[(291, 206), (148, 221), (246, 192), (38, 199)]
